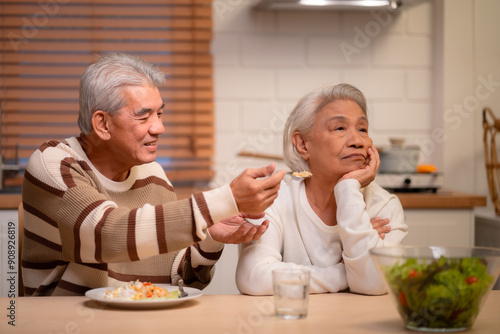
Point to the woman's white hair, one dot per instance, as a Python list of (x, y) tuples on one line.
[(102, 82), (303, 117)]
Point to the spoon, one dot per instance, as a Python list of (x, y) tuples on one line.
[(180, 283)]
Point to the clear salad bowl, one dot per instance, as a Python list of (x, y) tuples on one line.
[(438, 289)]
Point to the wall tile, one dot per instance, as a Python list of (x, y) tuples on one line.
[(227, 146), (402, 51), (293, 84), (308, 23), (227, 117), (236, 16), (373, 23), (325, 51), (225, 48), (279, 51), (244, 83), (262, 115), (398, 116), (420, 19), (377, 84), (419, 84)]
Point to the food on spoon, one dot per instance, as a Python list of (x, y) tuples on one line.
[(446, 293), (304, 173), (137, 290)]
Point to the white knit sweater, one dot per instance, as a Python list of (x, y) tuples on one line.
[(297, 237)]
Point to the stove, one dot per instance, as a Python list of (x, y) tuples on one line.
[(410, 182)]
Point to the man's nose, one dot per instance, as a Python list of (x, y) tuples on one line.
[(157, 126)]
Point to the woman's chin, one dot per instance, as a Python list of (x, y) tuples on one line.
[(355, 166)]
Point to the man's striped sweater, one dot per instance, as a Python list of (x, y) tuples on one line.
[(84, 231)]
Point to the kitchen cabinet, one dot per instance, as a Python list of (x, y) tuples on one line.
[(440, 227), (445, 218), (487, 231)]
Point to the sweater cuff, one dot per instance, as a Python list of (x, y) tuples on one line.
[(210, 245), (348, 186), (174, 272), (221, 203)]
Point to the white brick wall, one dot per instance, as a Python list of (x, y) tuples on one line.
[(266, 61), (394, 69), (294, 83)]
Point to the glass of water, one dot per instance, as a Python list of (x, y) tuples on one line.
[(291, 292)]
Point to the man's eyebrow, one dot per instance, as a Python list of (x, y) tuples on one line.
[(144, 111)]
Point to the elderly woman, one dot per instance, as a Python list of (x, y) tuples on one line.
[(329, 217)]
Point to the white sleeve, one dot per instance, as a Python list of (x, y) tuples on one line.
[(358, 236), (259, 258)]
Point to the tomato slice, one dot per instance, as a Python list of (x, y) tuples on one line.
[(471, 280), (414, 273), (402, 299)]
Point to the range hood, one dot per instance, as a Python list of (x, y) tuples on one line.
[(330, 4)]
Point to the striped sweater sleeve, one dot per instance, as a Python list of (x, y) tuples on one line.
[(66, 204)]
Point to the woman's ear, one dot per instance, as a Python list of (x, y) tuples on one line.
[(300, 144), (101, 125)]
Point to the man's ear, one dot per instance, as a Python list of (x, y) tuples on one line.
[(300, 144), (100, 123)]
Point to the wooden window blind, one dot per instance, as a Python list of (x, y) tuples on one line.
[(47, 44)]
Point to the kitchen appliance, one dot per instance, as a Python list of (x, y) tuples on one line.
[(399, 170), (410, 182), (399, 159)]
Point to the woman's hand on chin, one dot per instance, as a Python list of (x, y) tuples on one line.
[(366, 175)]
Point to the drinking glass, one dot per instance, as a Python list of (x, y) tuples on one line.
[(291, 292)]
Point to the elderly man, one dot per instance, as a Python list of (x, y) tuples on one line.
[(99, 211)]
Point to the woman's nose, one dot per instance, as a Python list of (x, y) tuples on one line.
[(355, 139)]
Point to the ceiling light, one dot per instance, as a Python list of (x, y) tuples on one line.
[(366, 3), (330, 4)]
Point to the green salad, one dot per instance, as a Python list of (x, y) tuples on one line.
[(445, 293)]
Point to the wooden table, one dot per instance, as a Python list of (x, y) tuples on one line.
[(328, 313)]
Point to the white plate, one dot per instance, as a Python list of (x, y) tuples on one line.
[(98, 295)]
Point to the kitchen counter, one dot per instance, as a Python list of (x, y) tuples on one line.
[(10, 201), (442, 199), (423, 200)]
